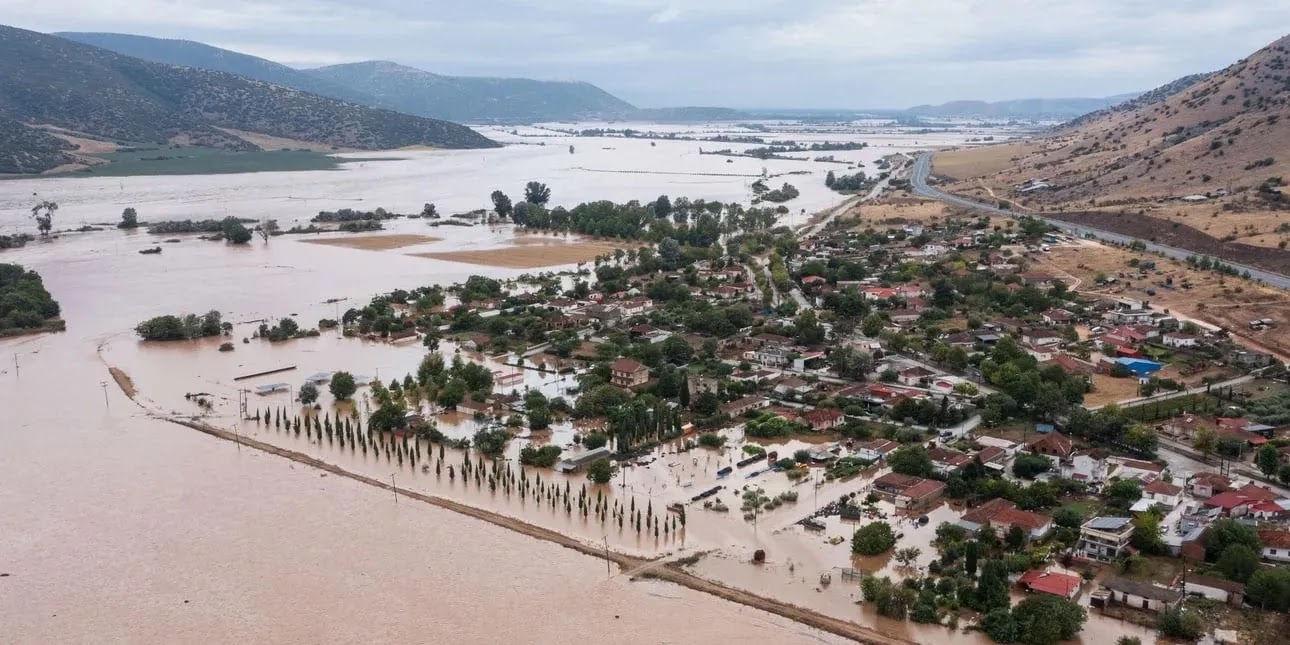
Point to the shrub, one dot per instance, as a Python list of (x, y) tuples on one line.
[(873, 539)]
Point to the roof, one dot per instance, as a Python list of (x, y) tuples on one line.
[(1229, 500), (1142, 589), (1053, 442), (626, 365), (1050, 582), (897, 480), (1159, 487), (1275, 538), (923, 489), (1215, 583), (1142, 465), (1102, 523)]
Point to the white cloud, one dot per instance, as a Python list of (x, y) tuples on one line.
[(807, 53)]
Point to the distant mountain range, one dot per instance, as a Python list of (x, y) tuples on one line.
[(408, 89), (75, 90), (1039, 109)]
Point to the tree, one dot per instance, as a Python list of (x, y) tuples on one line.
[(1238, 562), (971, 554), (1000, 626), (1146, 535), (992, 586), (44, 216), (1268, 460), (429, 211), (669, 251), (129, 218), (544, 457), (1015, 538), (1028, 465), (1177, 623), (600, 471), (1269, 588), (1226, 532), (1123, 493), (342, 386), (911, 460), (908, 555), (851, 363), (234, 231), (501, 203), (676, 350), (595, 440), (308, 393), (1044, 619), (872, 325), (873, 539), (537, 193), (829, 179), (1205, 440)]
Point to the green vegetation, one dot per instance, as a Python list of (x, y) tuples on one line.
[(544, 457), (1270, 589), (600, 471), (308, 394), (25, 305), (911, 460), (873, 539), (1181, 623), (185, 327), (1039, 619), (137, 162), (342, 386), (16, 241), (129, 219), (101, 93)]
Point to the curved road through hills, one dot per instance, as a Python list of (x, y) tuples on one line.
[(923, 168)]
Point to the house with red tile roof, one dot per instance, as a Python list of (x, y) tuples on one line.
[(907, 491), (1001, 515), (1205, 485), (1161, 492), (1276, 544), (628, 373), (824, 419), (1053, 445), (1054, 583)]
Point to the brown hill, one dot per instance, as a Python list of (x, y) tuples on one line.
[(1222, 140)]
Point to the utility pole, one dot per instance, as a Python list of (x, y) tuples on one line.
[(395, 487), (609, 572), (105, 394)]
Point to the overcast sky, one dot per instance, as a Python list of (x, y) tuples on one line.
[(737, 53)]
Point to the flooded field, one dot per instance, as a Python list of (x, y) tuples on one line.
[(122, 527)]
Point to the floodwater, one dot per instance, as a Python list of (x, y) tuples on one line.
[(119, 527)]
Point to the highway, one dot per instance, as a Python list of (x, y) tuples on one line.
[(923, 168)]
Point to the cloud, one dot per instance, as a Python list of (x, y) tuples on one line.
[(803, 53)]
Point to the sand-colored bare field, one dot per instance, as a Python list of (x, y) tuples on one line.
[(894, 211), (528, 257), (270, 142), (374, 242), (977, 162)]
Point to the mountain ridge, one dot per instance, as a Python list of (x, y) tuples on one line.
[(50, 81)]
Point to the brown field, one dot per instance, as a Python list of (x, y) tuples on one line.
[(374, 242), (894, 211), (529, 257), (965, 163), (1107, 389)]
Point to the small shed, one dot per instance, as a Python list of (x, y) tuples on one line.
[(577, 462), (1141, 595), (1219, 589)]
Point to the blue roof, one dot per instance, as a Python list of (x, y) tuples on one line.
[(1108, 523), (1139, 362)]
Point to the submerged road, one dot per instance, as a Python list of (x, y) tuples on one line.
[(923, 168)]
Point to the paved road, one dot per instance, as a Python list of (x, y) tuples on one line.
[(923, 168)]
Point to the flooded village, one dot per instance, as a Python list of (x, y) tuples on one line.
[(762, 416)]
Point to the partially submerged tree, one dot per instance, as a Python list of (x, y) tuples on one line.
[(44, 215)]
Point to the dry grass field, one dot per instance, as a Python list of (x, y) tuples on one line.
[(374, 242), (530, 256)]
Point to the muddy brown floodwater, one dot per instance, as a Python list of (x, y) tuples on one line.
[(118, 527)]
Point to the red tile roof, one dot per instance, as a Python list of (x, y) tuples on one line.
[(1275, 538), (1050, 582)]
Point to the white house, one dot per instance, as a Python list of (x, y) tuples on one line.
[(1179, 340), (1140, 594), (875, 449), (1276, 545), (1104, 538), (1214, 588), (1087, 466), (1163, 493)]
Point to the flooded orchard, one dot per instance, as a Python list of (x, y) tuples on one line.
[(122, 527)]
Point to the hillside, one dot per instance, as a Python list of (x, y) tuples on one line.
[(46, 80), (474, 99), (1060, 109), (202, 56), (1207, 153)]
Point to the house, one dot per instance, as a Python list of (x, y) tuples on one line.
[(1185, 426), (1231, 503), (1140, 367), (1042, 337), (914, 375), (576, 462), (793, 387), (1219, 589), (947, 462), (627, 372), (1276, 544), (824, 419), (1057, 317), (993, 457), (1009, 448), (476, 408), (1206, 485), (1163, 493), (875, 449), (1001, 515), (744, 405), (1143, 471), (1054, 445), (908, 492), (1041, 353), (770, 355), (1141, 595), (1063, 585), (1179, 340), (1087, 466), (1070, 365), (1104, 538)]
